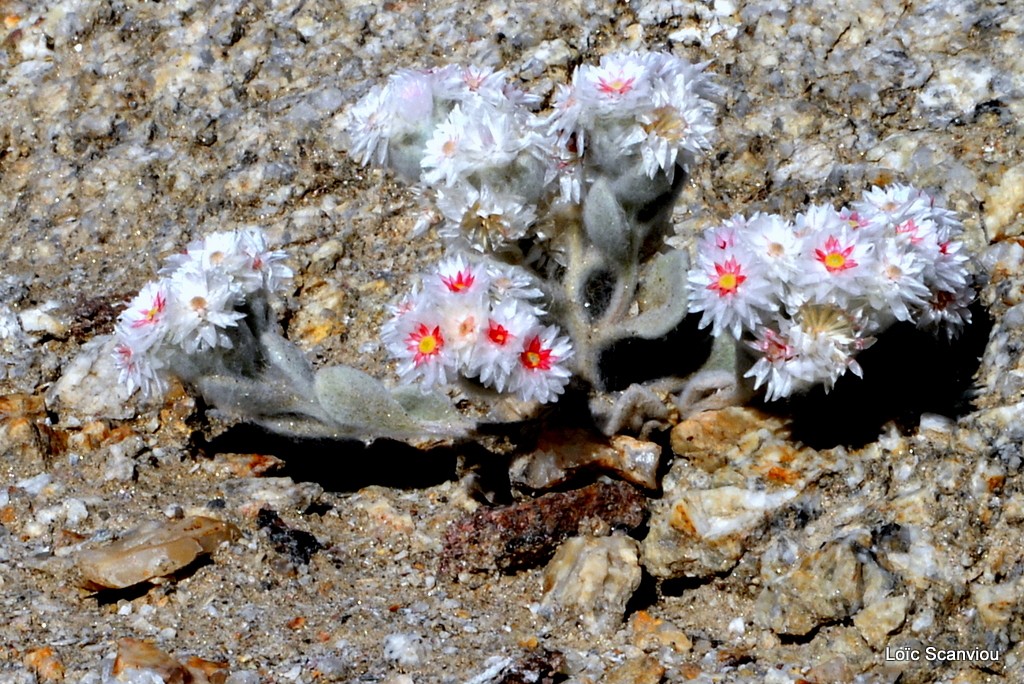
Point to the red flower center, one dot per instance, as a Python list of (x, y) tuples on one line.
[(535, 356), (460, 282), (498, 334)]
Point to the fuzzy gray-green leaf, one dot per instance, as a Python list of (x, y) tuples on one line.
[(606, 224), (663, 296)]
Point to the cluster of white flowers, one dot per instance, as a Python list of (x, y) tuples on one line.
[(653, 104), (492, 165), (478, 318), (195, 305), (468, 136), (808, 295)]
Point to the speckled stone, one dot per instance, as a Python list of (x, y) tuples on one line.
[(590, 580)]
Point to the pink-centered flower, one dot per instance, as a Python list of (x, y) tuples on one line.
[(424, 343), (728, 277), (540, 373), (835, 257), (497, 347), (729, 287)]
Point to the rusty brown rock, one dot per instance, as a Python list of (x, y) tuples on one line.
[(136, 654), (46, 664), (651, 633), (706, 438), (243, 465), (643, 670), (155, 549), (526, 534), (24, 429)]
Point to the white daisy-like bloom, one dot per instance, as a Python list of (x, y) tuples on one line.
[(680, 125), (838, 261), (618, 87), (442, 161), (458, 277), (484, 218), (825, 338), (948, 271), (139, 367), (509, 282), (815, 348), (143, 323), (565, 166), (499, 345), (724, 236), (775, 243), (263, 266), (893, 204), (494, 139), (201, 305), (540, 373), (368, 125), (469, 83), (458, 292), (653, 105), (729, 287), (898, 290), (411, 99), (775, 364), (947, 311), (416, 340), (564, 123), (222, 252)]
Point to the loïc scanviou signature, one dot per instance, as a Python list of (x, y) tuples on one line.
[(933, 654)]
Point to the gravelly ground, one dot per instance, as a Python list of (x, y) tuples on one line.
[(129, 129)]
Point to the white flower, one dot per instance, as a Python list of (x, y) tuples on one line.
[(416, 340), (144, 322), (775, 365), (825, 338), (947, 311), (263, 267), (201, 305), (893, 204), (458, 277), (138, 367), (485, 219), (898, 288), (499, 345), (837, 260), (514, 283), (369, 127), (442, 160), (400, 110), (774, 242), (618, 87), (540, 373), (948, 271), (729, 287), (410, 99)]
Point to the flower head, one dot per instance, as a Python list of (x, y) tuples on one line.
[(541, 373), (729, 287)]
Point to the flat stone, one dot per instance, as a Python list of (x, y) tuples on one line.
[(559, 457), (155, 549)]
